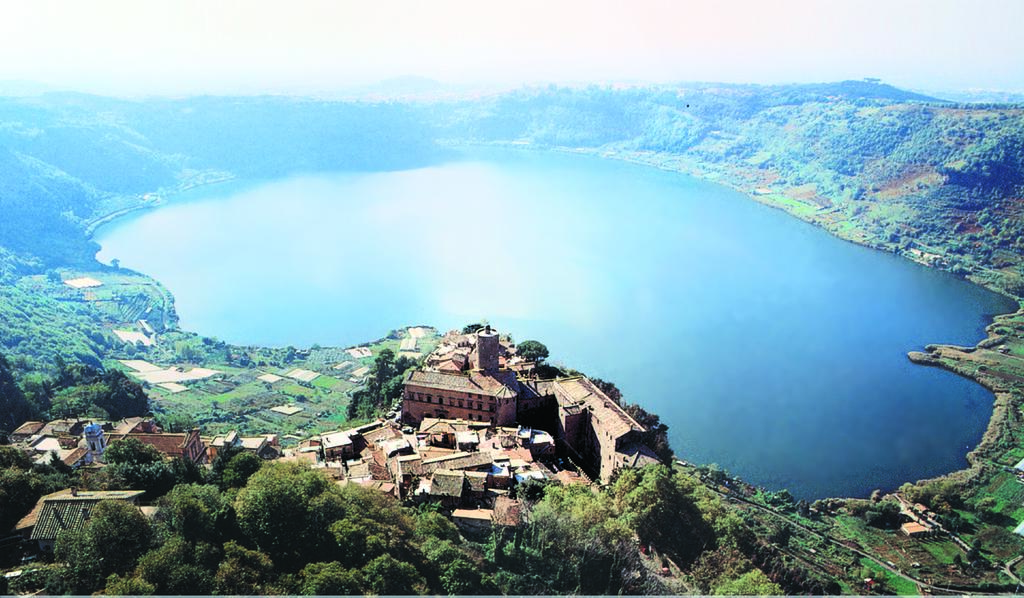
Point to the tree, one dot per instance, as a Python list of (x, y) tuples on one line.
[(15, 409), (752, 583), (19, 491), (16, 458), (279, 511), (532, 351), (124, 397), (178, 568), (243, 571), (331, 579), (661, 506), (191, 511), (118, 585), (111, 541), (387, 575), (241, 467), (655, 434), (131, 451), (138, 466), (576, 543)]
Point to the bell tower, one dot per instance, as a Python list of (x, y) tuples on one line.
[(96, 441)]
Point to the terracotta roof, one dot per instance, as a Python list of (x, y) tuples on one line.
[(68, 442), (519, 453), (567, 477), (407, 465), (64, 426), (381, 434), (431, 425), (359, 470), (379, 485), (914, 528), (448, 366), (607, 415), (28, 429), (493, 384), (435, 452), (378, 465), (76, 455), (170, 444), (128, 425), (63, 511), (475, 514), (638, 455), (30, 520), (477, 480), (445, 482), (459, 461)]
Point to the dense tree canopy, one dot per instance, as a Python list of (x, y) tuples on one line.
[(91, 555), (532, 351)]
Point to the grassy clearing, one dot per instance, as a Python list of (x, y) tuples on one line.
[(900, 586)]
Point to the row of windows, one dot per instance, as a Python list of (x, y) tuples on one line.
[(426, 398)]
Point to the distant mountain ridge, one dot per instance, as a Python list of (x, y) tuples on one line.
[(883, 166)]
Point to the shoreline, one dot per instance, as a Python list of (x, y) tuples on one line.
[(999, 406), (161, 198), (1001, 398)]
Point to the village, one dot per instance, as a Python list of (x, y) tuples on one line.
[(475, 427), (464, 435)]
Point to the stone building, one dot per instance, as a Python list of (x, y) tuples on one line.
[(481, 396), (589, 423)]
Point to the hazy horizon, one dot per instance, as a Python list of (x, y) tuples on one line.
[(116, 47)]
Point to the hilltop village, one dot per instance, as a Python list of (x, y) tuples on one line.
[(474, 422), (476, 430)]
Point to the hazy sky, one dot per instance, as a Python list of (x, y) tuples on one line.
[(209, 46)]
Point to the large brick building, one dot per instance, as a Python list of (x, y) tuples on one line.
[(464, 379)]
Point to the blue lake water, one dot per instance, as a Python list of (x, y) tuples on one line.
[(767, 345)]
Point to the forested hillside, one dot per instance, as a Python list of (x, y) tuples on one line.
[(66, 159), (939, 182)]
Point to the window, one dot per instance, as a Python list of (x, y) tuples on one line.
[(491, 408)]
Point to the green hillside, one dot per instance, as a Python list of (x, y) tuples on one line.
[(939, 182)]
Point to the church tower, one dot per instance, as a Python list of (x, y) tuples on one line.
[(96, 441)]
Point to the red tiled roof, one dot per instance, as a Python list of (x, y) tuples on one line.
[(494, 384), (171, 444), (28, 428), (447, 483), (74, 456)]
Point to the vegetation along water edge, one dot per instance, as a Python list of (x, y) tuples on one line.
[(675, 529)]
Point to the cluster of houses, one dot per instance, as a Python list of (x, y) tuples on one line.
[(921, 522), (80, 443), (479, 378), (468, 467), (474, 424)]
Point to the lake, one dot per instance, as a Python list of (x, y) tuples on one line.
[(768, 346)]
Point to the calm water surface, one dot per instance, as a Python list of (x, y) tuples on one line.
[(767, 345)]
